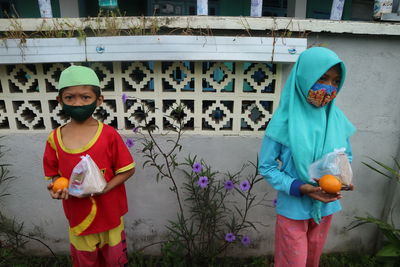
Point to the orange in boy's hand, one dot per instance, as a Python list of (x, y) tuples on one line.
[(330, 183), (60, 183)]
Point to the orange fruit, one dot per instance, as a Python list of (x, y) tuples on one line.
[(60, 183), (330, 183)]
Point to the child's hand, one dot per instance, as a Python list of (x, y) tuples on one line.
[(317, 193), (349, 187), (105, 190), (60, 194)]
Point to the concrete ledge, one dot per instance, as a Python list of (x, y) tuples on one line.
[(202, 22)]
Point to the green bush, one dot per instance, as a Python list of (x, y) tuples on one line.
[(12, 235), (389, 254)]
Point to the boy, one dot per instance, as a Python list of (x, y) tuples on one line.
[(96, 228)]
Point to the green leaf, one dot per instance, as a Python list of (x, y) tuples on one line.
[(389, 169), (151, 127), (240, 192), (378, 171), (397, 163), (146, 162), (258, 179), (390, 250), (238, 211)]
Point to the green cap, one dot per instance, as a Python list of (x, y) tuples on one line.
[(78, 75)]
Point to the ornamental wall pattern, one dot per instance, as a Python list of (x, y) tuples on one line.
[(220, 98)]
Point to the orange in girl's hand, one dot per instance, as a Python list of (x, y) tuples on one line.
[(60, 183), (330, 184)]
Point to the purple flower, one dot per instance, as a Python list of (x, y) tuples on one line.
[(203, 181), (228, 185), (135, 129), (245, 240), (274, 202), (230, 237), (245, 185), (197, 167), (124, 98), (130, 142)]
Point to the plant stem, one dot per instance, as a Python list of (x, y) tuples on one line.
[(171, 177)]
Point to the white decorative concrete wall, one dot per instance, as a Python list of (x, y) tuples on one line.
[(225, 98)]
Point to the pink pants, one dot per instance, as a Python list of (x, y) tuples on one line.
[(299, 243), (105, 249)]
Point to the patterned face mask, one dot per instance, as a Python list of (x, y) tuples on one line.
[(321, 94)]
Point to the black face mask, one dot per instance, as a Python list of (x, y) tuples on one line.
[(80, 113)]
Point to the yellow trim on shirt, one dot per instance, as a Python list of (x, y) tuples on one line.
[(52, 143), (126, 168), (81, 149), (77, 230), (50, 139)]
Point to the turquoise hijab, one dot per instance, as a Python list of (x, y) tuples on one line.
[(308, 131)]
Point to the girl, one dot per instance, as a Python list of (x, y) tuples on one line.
[(306, 126)]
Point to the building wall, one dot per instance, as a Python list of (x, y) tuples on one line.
[(369, 98), (69, 9)]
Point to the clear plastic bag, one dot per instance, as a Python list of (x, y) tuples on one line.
[(86, 178), (335, 163)]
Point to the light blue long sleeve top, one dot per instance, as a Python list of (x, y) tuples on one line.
[(276, 165)]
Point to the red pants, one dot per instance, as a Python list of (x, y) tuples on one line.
[(106, 249), (299, 243)]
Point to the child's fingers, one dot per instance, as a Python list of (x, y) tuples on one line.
[(60, 194), (309, 189), (50, 186), (349, 187), (51, 192), (314, 189), (325, 197), (64, 194), (55, 195)]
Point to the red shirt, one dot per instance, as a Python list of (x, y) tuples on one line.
[(99, 213)]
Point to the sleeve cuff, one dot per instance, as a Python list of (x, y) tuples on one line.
[(126, 168), (295, 188)]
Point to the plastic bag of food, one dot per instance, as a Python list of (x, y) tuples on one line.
[(86, 178), (335, 163)]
